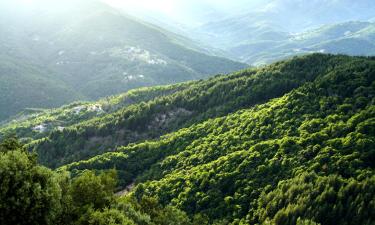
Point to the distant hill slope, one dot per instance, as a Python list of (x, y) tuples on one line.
[(96, 50), (23, 85), (307, 155), (267, 32), (291, 15), (352, 38)]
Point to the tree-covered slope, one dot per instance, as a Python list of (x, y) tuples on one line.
[(307, 155), (95, 50), (23, 85)]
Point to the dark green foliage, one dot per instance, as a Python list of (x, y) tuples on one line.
[(10, 144)]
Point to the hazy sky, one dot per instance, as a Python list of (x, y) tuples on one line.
[(170, 5), (188, 11)]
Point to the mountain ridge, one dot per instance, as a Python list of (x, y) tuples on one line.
[(98, 51)]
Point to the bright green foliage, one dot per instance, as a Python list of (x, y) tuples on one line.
[(89, 190), (148, 211), (105, 217), (328, 199), (305, 222)]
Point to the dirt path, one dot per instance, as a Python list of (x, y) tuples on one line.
[(127, 189)]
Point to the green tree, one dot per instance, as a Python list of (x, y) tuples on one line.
[(105, 217), (29, 194), (92, 191)]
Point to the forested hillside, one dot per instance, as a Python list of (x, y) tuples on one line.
[(289, 143), (34, 124), (306, 155)]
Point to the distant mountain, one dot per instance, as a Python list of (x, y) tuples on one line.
[(299, 15), (289, 15), (95, 51), (263, 33), (352, 38)]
